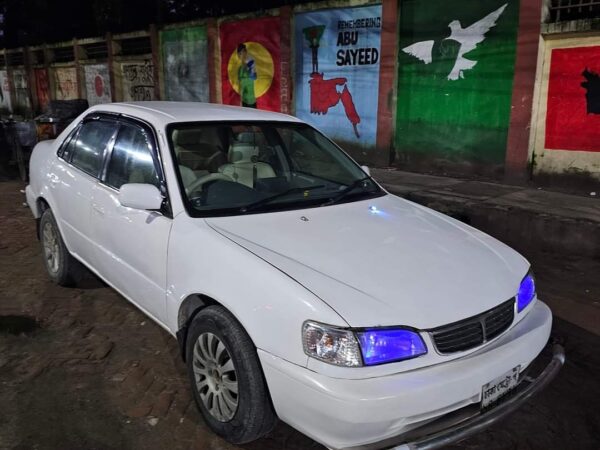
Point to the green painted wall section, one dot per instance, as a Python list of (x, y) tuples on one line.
[(459, 120)]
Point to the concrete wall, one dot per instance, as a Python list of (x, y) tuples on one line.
[(476, 119)]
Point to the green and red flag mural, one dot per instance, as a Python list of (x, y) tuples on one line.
[(185, 65), (97, 84), (250, 63), (337, 72), (456, 67), (573, 112)]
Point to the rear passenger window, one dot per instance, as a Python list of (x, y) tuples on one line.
[(131, 159), (67, 146), (90, 144)]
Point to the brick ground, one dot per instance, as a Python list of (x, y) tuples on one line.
[(99, 375)]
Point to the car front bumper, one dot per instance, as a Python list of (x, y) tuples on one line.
[(380, 412)]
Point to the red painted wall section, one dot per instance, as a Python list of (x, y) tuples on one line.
[(285, 15), (387, 74), (573, 113), (516, 163)]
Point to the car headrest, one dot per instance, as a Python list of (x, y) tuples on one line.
[(240, 152), (187, 137)]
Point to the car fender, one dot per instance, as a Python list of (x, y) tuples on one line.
[(270, 305)]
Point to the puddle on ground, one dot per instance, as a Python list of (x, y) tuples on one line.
[(18, 325)]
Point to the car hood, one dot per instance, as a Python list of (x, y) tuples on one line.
[(383, 262)]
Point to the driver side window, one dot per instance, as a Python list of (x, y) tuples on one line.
[(131, 160)]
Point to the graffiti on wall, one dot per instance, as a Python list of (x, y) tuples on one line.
[(42, 87), (65, 83), (21, 84), (5, 103), (138, 81), (97, 84), (184, 55), (250, 63), (456, 67), (337, 71), (573, 110)]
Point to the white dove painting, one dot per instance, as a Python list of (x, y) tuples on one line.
[(468, 38)]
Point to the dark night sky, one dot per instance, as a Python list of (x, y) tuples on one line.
[(32, 22)]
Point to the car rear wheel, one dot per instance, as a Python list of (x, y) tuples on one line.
[(227, 380), (62, 268)]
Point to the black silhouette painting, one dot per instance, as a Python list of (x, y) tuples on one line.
[(592, 86)]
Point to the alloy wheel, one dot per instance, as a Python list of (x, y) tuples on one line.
[(215, 377)]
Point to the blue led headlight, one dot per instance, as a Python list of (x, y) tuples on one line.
[(387, 345), (526, 292)]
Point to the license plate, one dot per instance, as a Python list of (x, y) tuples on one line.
[(499, 387)]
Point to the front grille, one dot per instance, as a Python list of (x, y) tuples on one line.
[(474, 331)]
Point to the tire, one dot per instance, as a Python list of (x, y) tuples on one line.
[(211, 372), (61, 266)]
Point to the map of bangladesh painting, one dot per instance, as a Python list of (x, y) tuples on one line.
[(337, 72)]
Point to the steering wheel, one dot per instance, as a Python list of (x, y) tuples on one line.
[(194, 185)]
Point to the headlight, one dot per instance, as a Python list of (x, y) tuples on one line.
[(332, 345), (526, 292), (369, 347), (387, 345)]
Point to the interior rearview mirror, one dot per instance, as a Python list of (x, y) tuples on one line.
[(140, 196)]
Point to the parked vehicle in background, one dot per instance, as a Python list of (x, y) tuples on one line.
[(58, 115), (296, 286)]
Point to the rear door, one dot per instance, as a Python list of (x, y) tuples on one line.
[(131, 244), (73, 177)]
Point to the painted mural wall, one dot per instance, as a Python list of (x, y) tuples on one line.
[(455, 75), (185, 64), (337, 72), (137, 78), (65, 83), (97, 84), (21, 85), (5, 101), (573, 114), (250, 63), (566, 132), (42, 88)]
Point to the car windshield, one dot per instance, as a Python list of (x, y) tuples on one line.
[(231, 168)]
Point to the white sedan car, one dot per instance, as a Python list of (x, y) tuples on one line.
[(298, 288)]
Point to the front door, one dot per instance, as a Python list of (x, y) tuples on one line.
[(131, 244)]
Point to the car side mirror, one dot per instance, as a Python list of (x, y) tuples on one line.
[(140, 196), (366, 170)]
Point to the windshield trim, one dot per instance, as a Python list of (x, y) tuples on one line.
[(268, 208)]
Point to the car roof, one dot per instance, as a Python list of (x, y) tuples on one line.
[(161, 113)]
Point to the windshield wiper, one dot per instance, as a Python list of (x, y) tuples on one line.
[(268, 200), (344, 192)]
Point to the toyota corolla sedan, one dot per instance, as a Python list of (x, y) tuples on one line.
[(297, 287)]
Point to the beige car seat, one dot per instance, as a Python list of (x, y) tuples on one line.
[(243, 167)]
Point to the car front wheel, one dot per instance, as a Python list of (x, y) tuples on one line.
[(227, 380)]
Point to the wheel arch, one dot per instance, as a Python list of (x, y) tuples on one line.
[(192, 305), (41, 205)]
